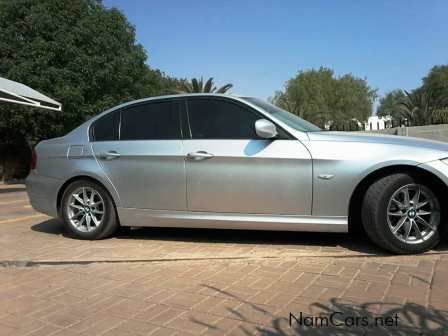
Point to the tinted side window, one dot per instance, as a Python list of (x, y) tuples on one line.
[(219, 119), (106, 128), (151, 121)]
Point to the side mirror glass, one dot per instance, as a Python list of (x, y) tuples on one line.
[(265, 129)]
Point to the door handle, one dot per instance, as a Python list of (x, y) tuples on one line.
[(110, 155), (199, 155)]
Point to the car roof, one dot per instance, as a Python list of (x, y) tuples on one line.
[(172, 96), (184, 95)]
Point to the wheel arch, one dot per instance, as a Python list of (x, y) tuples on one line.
[(357, 197), (77, 178)]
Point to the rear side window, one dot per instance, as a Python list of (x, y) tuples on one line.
[(220, 119), (151, 121), (106, 128)]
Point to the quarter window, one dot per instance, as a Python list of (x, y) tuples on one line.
[(220, 119), (151, 121)]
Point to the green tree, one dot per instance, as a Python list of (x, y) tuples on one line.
[(321, 97), (422, 107), (354, 98), (440, 116), (390, 104), (427, 104), (345, 125), (437, 83), (198, 86), (77, 52), (416, 108)]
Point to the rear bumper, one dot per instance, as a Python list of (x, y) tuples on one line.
[(42, 192)]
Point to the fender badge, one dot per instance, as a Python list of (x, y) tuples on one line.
[(325, 176)]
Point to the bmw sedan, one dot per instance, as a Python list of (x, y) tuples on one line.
[(220, 161)]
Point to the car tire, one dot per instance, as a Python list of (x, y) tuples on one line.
[(399, 223), (88, 211)]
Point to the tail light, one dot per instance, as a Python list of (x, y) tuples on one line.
[(33, 160)]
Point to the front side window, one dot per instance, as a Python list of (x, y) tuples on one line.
[(151, 121), (220, 119)]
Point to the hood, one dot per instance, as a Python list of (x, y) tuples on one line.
[(379, 139)]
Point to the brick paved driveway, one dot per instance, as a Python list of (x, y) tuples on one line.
[(177, 282)]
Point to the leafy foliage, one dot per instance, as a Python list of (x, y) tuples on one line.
[(76, 52), (198, 86), (427, 104), (440, 115), (321, 97), (345, 125), (416, 107), (390, 104), (437, 82)]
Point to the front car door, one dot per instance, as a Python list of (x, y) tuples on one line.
[(229, 169), (143, 158)]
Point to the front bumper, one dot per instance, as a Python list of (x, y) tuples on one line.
[(42, 192)]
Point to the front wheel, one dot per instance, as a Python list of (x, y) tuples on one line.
[(88, 211), (402, 214)]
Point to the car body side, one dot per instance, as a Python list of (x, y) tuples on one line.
[(339, 163)]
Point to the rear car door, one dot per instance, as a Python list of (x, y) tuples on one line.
[(231, 170), (140, 149)]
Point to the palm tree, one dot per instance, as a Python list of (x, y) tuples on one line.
[(416, 107), (198, 86), (420, 107)]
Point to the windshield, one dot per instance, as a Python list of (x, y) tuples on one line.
[(288, 118)]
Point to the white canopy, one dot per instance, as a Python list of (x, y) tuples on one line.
[(19, 93)]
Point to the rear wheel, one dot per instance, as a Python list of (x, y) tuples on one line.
[(88, 211), (402, 214)]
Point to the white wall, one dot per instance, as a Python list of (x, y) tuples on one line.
[(375, 123)]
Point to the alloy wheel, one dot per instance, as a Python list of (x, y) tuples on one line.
[(413, 213), (85, 209)]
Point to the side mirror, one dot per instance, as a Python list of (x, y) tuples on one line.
[(265, 129)]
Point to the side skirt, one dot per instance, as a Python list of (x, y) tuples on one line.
[(213, 220)]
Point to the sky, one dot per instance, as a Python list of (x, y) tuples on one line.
[(259, 44)]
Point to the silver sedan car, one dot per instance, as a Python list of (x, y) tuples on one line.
[(219, 161)]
